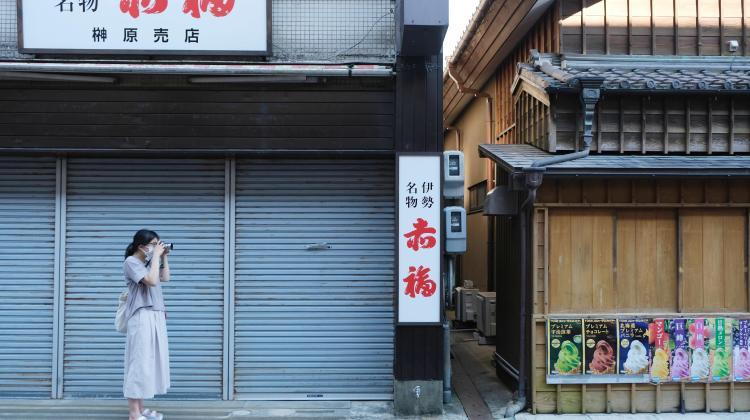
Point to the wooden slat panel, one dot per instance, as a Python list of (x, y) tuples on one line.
[(713, 261), (581, 276), (338, 116), (646, 261)]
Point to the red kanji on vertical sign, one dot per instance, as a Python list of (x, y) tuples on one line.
[(149, 6), (419, 282), (219, 8), (421, 236)]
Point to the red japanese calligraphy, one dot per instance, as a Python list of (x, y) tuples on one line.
[(219, 8), (419, 282), (149, 6), (421, 236)]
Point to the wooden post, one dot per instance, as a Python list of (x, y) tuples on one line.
[(666, 127), (622, 127), (687, 126), (698, 28), (658, 398), (731, 124), (609, 398), (653, 28), (583, 27), (710, 128), (643, 125), (606, 27), (675, 28), (630, 30), (583, 399)]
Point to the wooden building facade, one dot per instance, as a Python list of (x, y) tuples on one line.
[(621, 131)]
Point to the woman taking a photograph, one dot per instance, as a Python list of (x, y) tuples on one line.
[(147, 351)]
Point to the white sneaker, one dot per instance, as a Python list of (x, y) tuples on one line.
[(152, 415)]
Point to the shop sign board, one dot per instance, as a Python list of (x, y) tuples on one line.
[(145, 27), (419, 239)]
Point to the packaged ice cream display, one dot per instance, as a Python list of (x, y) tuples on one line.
[(634, 347), (565, 347), (700, 366), (720, 349), (600, 337), (741, 351), (680, 360), (661, 354)]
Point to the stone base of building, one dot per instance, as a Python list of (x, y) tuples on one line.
[(416, 398)]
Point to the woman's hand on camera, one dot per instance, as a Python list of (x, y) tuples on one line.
[(159, 249)]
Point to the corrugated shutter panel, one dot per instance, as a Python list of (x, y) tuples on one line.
[(107, 201), (314, 324), (27, 235)]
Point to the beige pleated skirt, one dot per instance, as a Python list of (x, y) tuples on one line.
[(146, 355)]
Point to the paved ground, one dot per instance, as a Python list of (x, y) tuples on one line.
[(735, 416), (192, 410)]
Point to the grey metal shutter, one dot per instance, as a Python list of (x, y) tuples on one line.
[(107, 201), (314, 324), (27, 259)]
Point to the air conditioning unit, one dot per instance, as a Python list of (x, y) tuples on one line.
[(485, 307), (465, 304)]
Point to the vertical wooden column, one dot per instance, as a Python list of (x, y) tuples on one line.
[(419, 110)]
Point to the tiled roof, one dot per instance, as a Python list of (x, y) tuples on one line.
[(644, 73), (516, 157)]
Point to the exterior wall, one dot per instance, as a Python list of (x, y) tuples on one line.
[(167, 113), (472, 125), (650, 124), (652, 27), (617, 247), (545, 38)]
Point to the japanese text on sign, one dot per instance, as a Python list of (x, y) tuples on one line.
[(145, 26), (419, 239)]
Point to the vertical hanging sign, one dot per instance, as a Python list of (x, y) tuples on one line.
[(419, 239)]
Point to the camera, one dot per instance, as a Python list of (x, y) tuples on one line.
[(169, 246)]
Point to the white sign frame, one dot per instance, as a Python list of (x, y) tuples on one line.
[(419, 168), (171, 18)]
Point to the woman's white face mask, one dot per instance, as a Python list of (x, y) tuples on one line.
[(149, 252)]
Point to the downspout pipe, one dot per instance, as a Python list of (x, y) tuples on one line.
[(532, 177), (457, 130)]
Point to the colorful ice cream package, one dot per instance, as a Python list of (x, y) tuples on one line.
[(741, 342), (634, 352), (720, 349), (564, 347), (600, 337), (679, 366), (658, 337), (700, 365)]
